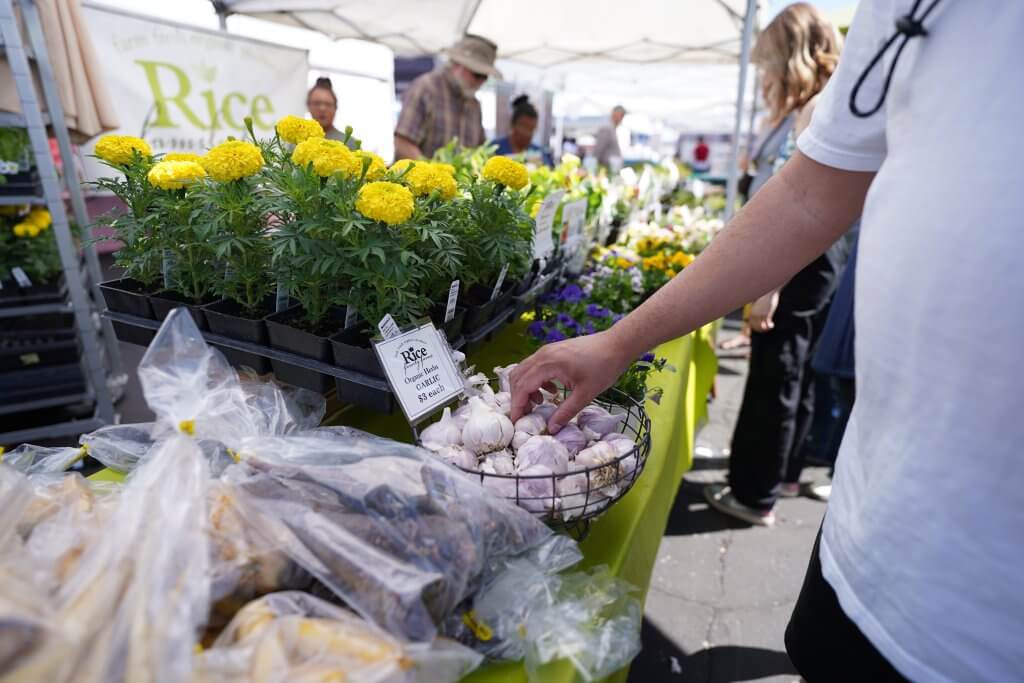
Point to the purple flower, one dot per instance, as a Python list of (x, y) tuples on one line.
[(617, 317), (566, 319), (572, 294), (537, 329), (554, 335), (647, 357), (549, 298), (595, 311), (589, 328)]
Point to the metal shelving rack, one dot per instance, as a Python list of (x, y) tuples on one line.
[(96, 337)]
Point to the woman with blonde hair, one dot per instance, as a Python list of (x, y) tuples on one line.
[(796, 54)]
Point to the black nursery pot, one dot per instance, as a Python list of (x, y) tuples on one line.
[(128, 296), (229, 319), (353, 351), (10, 295), (479, 308), (166, 301), (453, 328), (285, 335)]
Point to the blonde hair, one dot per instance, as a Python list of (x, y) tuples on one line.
[(800, 49)]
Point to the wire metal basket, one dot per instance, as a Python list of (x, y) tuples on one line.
[(593, 489)]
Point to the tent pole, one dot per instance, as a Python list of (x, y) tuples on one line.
[(733, 179)]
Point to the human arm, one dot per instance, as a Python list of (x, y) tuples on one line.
[(406, 148), (795, 217)]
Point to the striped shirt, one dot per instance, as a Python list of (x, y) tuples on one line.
[(436, 109)]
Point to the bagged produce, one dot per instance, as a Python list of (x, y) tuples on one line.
[(396, 534), (294, 637), (130, 607), (41, 459)]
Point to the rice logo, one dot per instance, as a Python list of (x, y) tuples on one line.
[(413, 357)]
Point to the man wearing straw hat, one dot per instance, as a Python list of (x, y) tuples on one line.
[(442, 104)]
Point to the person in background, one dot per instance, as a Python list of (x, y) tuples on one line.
[(701, 156), (606, 144), (442, 104), (916, 572), (323, 105), (797, 53), (520, 136)]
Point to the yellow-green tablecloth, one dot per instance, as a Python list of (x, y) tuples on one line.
[(626, 538)]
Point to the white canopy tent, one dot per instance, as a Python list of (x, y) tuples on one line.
[(591, 45)]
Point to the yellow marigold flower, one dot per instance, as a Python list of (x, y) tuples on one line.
[(21, 229), (447, 167), (118, 149), (389, 203), (39, 217), (295, 130), (174, 175), (232, 160), (398, 168), (183, 156), (623, 263), (425, 178), (507, 172), (377, 167), (327, 156)]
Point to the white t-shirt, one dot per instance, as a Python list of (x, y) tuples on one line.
[(924, 535)]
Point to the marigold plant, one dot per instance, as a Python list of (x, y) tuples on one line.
[(294, 130), (386, 202), (233, 160), (507, 172), (122, 150)]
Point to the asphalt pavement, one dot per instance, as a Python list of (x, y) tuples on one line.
[(722, 590)]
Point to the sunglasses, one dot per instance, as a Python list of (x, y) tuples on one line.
[(478, 76)]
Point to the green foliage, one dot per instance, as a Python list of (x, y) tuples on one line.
[(181, 227), (492, 220), (140, 257), (468, 161), (37, 256)]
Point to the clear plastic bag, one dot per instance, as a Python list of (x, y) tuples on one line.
[(120, 447), (131, 603), (32, 459), (294, 637), (398, 536), (530, 612)]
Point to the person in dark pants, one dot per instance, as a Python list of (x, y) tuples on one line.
[(778, 401), (834, 361)]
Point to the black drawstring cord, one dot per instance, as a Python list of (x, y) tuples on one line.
[(908, 26)]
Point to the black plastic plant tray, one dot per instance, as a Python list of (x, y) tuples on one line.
[(21, 352)]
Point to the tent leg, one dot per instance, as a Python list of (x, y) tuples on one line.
[(733, 179)]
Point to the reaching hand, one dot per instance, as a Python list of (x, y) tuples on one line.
[(585, 365), (762, 311)]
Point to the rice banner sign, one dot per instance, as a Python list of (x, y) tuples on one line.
[(186, 89)]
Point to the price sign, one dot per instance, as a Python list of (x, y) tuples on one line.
[(453, 298), (543, 245), (500, 282), (421, 371), (388, 327)]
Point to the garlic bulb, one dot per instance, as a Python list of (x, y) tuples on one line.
[(486, 430), (576, 500), (545, 411), (604, 478), (503, 375), (532, 424), (458, 456), (498, 462), (461, 415), (519, 438), (623, 442), (443, 433), (572, 438), (501, 487), (503, 402), (537, 495), (544, 450), (598, 420)]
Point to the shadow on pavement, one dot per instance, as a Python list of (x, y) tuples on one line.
[(662, 660), (691, 514)]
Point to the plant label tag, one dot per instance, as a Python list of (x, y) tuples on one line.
[(500, 282), (280, 297), (543, 244), (351, 315), (388, 327), (420, 368), (453, 298), (21, 277)]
